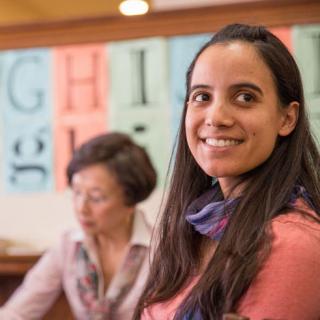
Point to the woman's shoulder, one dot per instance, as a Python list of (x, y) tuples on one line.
[(72, 235), (301, 214), (290, 272), (68, 242), (298, 229)]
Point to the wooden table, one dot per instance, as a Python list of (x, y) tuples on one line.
[(12, 270)]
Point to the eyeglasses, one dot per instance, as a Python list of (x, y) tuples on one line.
[(87, 198)]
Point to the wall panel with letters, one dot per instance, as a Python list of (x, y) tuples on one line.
[(53, 99)]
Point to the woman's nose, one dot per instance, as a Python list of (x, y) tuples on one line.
[(81, 204), (218, 114)]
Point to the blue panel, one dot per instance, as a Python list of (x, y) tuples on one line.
[(26, 100), (182, 51), (28, 158)]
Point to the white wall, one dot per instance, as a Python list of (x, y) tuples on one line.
[(35, 221)]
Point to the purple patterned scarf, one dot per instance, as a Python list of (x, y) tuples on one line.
[(210, 217)]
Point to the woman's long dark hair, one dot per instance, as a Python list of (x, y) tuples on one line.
[(247, 240)]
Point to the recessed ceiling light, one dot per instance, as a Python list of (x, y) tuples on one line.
[(133, 7)]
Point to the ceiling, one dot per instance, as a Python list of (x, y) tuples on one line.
[(27, 11)]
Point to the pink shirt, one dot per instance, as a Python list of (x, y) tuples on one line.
[(288, 285), (56, 271)]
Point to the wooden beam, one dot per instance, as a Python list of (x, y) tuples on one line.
[(15, 264), (270, 13)]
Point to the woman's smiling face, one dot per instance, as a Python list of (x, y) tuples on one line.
[(233, 115)]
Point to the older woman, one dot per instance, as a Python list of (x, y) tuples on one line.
[(103, 266)]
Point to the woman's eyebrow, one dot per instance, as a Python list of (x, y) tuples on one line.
[(247, 85), (200, 86), (235, 86)]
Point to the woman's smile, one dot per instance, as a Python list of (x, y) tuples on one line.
[(221, 142)]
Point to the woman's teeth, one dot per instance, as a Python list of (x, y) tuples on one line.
[(222, 142)]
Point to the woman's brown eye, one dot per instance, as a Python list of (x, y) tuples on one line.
[(245, 97), (202, 97)]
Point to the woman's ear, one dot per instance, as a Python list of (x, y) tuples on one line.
[(290, 118)]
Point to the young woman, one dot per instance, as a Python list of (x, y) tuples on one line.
[(103, 267), (240, 231)]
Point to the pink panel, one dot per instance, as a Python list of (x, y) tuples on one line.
[(80, 91), (285, 35)]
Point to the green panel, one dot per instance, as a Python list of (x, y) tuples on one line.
[(306, 42), (152, 131), (315, 126), (139, 96), (138, 74)]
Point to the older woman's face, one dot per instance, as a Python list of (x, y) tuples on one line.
[(99, 201)]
